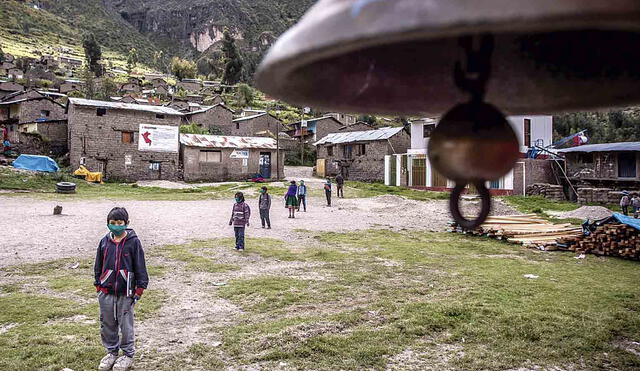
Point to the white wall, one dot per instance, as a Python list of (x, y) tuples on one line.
[(541, 129), (418, 142)]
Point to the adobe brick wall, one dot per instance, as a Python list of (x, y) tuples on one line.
[(30, 110), (99, 140), (218, 116), (534, 171), (227, 170), (327, 126), (249, 128), (368, 167)]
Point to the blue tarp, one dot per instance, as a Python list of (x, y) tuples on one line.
[(628, 220), (36, 163)]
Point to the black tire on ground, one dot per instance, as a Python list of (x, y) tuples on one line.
[(66, 187)]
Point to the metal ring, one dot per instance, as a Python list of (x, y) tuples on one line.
[(454, 205)]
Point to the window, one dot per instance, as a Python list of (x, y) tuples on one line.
[(585, 158), (154, 166), (627, 165), (210, 156), (348, 151), (45, 113), (330, 151), (101, 111), (428, 130), (127, 137), (360, 150), (159, 116), (527, 132), (237, 126)]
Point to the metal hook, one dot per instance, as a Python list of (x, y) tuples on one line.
[(454, 205)]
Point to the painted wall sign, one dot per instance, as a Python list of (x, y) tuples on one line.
[(159, 138), (238, 153)]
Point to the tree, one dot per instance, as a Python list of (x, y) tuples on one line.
[(233, 61), (371, 120), (193, 128), (92, 53), (244, 95), (132, 59), (183, 69)]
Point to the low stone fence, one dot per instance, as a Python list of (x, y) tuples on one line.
[(549, 191), (603, 196)]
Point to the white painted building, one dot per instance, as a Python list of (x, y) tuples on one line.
[(414, 169)]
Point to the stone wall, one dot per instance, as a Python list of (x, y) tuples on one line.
[(227, 170), (31, 110), (530, 171), (327, 126), (98, 139), (216, 117), (603, 196), (548, 191), (249, 128)]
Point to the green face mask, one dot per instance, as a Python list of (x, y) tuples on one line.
[(238, 199), (262, 191), (117, 229)]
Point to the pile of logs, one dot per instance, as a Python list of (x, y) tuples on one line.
[(528, 230), (618, 240)]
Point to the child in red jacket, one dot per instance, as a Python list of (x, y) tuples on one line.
[(240, 215)]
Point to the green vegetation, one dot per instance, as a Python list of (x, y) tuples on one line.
[(92, 53), (183, 69), (361, 190), (233, 61), (195, 262), (538, 204)]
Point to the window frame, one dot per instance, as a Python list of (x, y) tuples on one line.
[(526, 131), (209, 153), (101, 111)]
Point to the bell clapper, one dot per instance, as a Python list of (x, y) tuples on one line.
[(473, 142)]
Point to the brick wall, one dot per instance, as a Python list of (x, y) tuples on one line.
[(99, 140), (31, 110), (227, 170), (327, 126), (218, 117), (529, 171), (249, 128)]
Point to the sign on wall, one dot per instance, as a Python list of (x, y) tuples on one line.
[(238, 153), (159, 138)]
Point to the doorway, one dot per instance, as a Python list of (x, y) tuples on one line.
[(265, 164)]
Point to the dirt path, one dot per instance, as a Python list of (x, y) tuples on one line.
[(31, 233)]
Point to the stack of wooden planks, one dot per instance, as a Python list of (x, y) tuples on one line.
[(614, 239), (528, 230)]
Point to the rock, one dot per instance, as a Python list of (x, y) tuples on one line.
[(57, 210), (531, 276)]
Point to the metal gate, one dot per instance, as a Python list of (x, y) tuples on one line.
[(437, 179), (265, 164), (320, 167), (393, 170)]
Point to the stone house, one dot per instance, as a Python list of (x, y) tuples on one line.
[(29, 93), (129, 87), (9, 87), (27, 110), (162, 91), (5, 67), (217, 118), (71, 85), (180, 105), (158, 82), (15, 73), (344, 118), (612, 165), (193, 85), (124, 141), (314, 128), (224, 158), (70, 61), (246, 112), (256, 125), (43, 137), (213, 100), (358, 126), (360, 155)]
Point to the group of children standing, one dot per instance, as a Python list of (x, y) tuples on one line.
[(121, 274), (632, 200)]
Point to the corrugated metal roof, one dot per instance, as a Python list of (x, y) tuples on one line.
[(249, 117), (604, 147), (223, 141), (124, 106), (360, 136)]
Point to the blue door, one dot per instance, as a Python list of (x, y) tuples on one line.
[(265, 164)]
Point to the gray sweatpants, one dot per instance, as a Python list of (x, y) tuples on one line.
[(117, 312)]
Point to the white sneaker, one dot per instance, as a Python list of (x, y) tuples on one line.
[(107, 362), (123, 363)]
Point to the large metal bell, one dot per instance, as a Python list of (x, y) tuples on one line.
[(396, 56)]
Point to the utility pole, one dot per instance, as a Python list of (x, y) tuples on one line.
[(302, 139), (277, 151)]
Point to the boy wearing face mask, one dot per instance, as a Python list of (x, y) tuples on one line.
[(120, 279), (240, 215), (264, 204)]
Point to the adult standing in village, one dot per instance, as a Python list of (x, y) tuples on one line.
[(635, 204), (625, 202), (327, 191), (302, 196), (264, 205), (291, 200), (340, 185)]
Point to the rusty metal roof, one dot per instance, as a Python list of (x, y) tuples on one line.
[(223, 141), (360, 136)]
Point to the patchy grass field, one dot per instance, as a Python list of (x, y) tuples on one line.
[(363, 300)]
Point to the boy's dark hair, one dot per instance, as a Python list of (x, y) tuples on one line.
[(240, 195), (118, 213), (293, 182), (264, 187)]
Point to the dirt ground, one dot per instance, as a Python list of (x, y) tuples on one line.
[(33, 234)]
